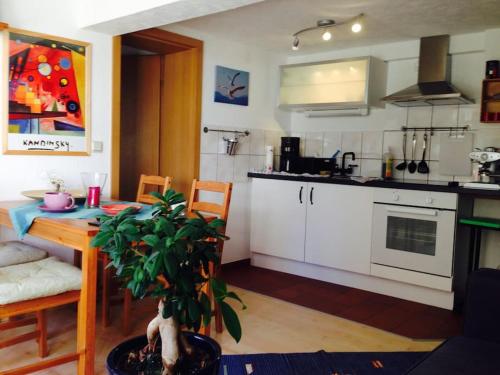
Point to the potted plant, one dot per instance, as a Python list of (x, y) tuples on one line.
[(168, 257)]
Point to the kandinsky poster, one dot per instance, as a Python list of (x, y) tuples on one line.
[(48, 109)]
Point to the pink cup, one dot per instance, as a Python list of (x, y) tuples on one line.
[(58, 200)]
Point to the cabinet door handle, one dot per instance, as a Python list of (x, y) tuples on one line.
[(311, 196), (300, 194)]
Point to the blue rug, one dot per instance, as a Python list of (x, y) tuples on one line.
[(322, 363)]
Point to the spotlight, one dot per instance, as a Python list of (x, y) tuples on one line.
[(327, 35), (295, 44), (356, 27)]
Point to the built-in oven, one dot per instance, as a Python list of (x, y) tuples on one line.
[(415, 231)]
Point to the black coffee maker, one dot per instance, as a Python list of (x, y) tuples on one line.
[(290, 160)]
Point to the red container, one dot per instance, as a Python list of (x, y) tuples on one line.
[(94, 196)]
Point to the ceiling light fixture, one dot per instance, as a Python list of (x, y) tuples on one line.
[(327, 35), (328, 24)]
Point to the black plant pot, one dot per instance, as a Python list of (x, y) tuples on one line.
[(203, 342)]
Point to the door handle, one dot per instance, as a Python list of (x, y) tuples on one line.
[(311, 196), (300, 194), (414, 211)]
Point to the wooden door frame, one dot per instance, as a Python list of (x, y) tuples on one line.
[(160, 41)]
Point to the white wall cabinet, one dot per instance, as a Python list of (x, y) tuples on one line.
[(278, 218), (334, 84), (339, 222), (326, 224)]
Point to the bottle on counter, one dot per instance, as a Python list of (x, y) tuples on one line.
[(387, 166), (269, 159)]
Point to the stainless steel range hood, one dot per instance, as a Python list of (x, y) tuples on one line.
[(433, 87)]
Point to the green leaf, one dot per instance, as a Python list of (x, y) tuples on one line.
[(157, 195), (216, 223), (233, 295), (127, 228), (171, 265), (151, 239), (231, 320), (219, 288), (207, 309), (194, 310), (101, 239), (185, 231)]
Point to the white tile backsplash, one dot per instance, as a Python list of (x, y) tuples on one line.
[(257, 162), (332, 141), (371, 167), (241, 168), (225, 168), (209, 142), (208, 167), (257, 142), (372, 144), (352, 142), (419, 117), (393, 143), (446, 115), (314, 144)]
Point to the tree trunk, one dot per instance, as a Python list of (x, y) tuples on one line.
[(169, 332)]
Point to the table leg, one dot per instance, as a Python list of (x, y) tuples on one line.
[(87, 311)]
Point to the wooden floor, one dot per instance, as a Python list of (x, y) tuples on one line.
[(269, 325), (405, 318)]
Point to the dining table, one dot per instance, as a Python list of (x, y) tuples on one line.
[(75, 234)]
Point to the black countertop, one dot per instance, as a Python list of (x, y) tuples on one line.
[(440, 186)]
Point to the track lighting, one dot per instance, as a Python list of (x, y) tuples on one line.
[(327, 24), (356, 27)]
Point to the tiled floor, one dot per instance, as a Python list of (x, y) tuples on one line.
[(399, 316)]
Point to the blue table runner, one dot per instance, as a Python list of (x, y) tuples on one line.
[(23, 216)]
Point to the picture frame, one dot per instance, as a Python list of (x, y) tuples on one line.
[(231, 86), (46, 94)]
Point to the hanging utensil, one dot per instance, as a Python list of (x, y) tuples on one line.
[(402, 166), (422, 166), (412, 167)]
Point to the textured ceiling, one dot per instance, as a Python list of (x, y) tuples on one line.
[(271, 23)]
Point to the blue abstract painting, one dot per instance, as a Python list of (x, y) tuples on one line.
[(231, 86)]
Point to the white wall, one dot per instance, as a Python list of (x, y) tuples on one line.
[(58, 17)]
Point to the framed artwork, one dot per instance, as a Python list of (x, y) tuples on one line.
[(231, 86), (48, 95)]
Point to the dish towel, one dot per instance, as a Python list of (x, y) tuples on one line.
[(22, 216)]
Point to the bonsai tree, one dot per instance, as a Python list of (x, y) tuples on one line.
[(168, 257)]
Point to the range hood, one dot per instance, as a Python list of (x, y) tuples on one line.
[(433, 87)]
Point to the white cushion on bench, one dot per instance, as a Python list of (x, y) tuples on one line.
[(43, 278), (14, 252)]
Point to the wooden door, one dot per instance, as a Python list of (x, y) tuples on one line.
[(180, 118), (140, 121), (339, 222), (278, 222)]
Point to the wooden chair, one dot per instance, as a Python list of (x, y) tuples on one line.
[(221, 210), (163, 184), (36, 306)]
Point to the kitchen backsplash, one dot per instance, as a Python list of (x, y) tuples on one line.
[(368, 145)]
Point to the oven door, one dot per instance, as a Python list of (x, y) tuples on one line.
[(413, 238)]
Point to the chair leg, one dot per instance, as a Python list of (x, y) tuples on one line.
[(77, 258), (106, 281), (41, 326), (127, 306)]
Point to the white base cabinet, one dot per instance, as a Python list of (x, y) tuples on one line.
[(338, 229), (278, 223), (323, 224)]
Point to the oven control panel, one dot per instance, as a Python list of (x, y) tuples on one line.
[(416, 198)]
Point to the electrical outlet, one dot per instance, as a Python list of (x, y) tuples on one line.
[(97, 146)]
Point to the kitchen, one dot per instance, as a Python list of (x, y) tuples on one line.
[(358, 221)]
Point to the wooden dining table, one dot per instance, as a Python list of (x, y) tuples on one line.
[(74, 234)]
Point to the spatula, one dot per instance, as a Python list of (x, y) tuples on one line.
[(422, 166), (412, 166), (402, 166)]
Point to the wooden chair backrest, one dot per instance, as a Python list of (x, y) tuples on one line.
[(220, 210), (163, 182)]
